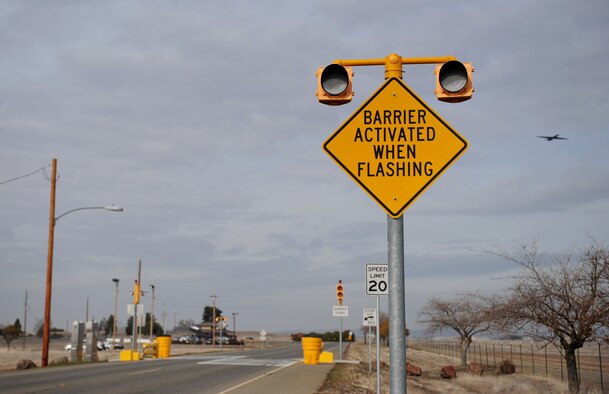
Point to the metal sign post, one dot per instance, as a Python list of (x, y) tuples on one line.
[(395, 146), (340, 341), (340, 311), (370, 319), (369, 349), (397, 308), (378, 347)]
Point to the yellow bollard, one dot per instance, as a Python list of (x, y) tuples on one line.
[(326, 357), (125, 355), (129, 355), (311, 348), (150, 350), (164, 346)]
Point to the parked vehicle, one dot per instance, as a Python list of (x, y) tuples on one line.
[(225, 341), (117, 344), (100, 346), (190, 339)]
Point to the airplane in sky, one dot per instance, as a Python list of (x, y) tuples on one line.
[(552, 137)]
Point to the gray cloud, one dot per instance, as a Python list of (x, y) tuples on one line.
[(201, 120)]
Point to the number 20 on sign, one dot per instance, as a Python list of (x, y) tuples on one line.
[(377, 279)]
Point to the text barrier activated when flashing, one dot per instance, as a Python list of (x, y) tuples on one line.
[(395, 146)]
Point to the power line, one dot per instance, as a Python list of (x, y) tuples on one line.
[(44, 174)]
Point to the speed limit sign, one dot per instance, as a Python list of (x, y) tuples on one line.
[(377, 279)]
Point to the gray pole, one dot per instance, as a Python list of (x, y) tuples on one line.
[(25, 321), (397, 320), (152, 315), (235, 324), (115, 280), (340, 341), (378, 344), (213, 321), (369, 349)]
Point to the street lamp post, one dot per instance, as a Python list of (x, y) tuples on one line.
[(49, 278), (115, 280), (235, 323), (152, 314), (213, 320)]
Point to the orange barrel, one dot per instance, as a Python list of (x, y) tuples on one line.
[(311, 348), (164, 346)]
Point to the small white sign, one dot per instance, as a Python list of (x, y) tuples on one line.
[(340, 311), (370, 317), (377, 279), (131, 309)]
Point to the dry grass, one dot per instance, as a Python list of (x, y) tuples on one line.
[(355, 378)]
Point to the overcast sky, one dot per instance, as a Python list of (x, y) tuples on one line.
[(200, 119)]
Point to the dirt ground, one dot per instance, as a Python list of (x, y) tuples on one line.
[(356, 378)]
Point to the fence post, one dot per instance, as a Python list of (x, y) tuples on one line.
[(474, 354), (520, 347), (532, 358), (545, 350), (486, 351), (600, 366)]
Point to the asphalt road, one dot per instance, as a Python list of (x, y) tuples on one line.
[(266, 371)]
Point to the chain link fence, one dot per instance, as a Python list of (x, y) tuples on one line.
[(529, 357)]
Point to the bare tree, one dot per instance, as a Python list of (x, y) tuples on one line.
[(467, 315), (9, 333), (563, 301)]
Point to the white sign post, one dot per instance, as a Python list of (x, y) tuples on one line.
[(377, 283), (340, 311), (370, 321)]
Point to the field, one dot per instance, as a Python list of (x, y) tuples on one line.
[(356, 378)]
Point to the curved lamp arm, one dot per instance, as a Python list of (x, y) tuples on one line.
[(114, 208)]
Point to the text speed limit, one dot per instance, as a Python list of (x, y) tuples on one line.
[(377, 279)]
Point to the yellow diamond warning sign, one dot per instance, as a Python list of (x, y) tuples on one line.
[(394, 146)]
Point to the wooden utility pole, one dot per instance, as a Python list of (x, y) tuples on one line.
[(49, 281)]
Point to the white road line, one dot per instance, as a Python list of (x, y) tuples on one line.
[(254, 379), (249, 362), (143, 372)]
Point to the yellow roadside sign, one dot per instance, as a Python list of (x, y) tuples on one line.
[(394, 146)]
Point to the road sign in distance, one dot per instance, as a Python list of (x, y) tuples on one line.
[(370, 317), (340, 311), (377, 279)]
